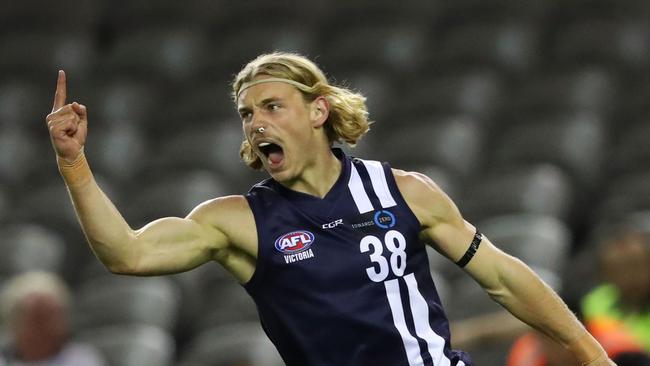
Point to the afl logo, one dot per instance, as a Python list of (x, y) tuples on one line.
[(294, 242), (384, 219)]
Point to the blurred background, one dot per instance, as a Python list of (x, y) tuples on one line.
[(533, 115)]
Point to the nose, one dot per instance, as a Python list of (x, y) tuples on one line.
[(257, 123)]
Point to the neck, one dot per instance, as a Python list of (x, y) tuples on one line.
[(318, 176)]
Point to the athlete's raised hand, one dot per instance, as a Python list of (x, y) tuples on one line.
[(67, 123)]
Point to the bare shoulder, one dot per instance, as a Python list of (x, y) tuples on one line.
[(232, 216), (413, 182), (220, 211), (443, 226), (426, 199)]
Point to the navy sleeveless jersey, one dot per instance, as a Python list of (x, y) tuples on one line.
[(344, 280)]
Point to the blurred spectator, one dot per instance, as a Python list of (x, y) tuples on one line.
[(533, 349), (34, 309), (625, 293)]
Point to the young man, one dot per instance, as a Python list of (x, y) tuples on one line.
[(330, 248)]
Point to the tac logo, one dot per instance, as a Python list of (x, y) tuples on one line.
[(294, 242), (384, 219)]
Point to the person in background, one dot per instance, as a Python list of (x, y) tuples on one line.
[(34, 309), (616, 312), (533, 349), (624, 294)]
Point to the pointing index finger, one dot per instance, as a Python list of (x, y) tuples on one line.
[(60, 95)]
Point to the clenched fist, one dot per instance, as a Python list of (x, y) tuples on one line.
[(67, 123)]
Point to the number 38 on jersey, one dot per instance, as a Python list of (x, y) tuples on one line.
[(395, 242)]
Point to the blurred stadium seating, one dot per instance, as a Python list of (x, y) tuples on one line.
[(534, 116)]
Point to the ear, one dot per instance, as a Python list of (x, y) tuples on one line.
[(320, 110)]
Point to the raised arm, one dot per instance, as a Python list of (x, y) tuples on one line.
[(506, 279), (167, 245)]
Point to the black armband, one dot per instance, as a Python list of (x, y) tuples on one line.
[(473, 247)]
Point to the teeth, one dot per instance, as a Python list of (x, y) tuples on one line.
[(262, 144)]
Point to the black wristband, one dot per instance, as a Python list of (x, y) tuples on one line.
[(473, 247)]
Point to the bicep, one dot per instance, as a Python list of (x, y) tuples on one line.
[(172, 245), (452, 236), (442, 225), (489, 266), (445, 229)]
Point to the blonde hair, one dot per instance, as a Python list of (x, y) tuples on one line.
[(348, 115), (19, 288)]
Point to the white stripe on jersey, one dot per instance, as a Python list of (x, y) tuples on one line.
[(420, 311), (358, 192), (379, 184), (411, 345)]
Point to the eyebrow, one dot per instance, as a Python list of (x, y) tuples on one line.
[(263, 102)]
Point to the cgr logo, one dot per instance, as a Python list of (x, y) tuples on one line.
[(294, 242), (333, 224)]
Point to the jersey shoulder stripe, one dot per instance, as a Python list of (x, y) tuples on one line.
[(367, 181)]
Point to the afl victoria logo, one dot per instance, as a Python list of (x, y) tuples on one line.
[(294, 242)]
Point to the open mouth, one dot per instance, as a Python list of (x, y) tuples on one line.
[(273, 152)]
